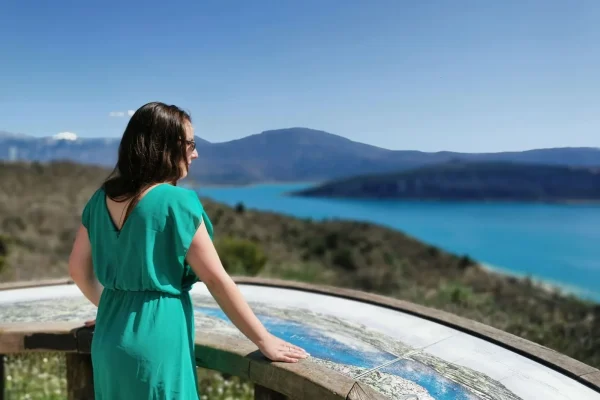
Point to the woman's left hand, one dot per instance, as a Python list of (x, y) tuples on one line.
[(90, 323), (277, 349)]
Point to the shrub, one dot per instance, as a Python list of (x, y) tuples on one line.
[(306, 272), (433, 251), (332, 240), (3, 252), (343, 258), (241, 256), (465, 262), (318, 249)]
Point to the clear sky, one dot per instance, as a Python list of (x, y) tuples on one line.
[(464, 75)]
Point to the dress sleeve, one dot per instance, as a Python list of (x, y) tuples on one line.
[(189, 215), (85, 215)]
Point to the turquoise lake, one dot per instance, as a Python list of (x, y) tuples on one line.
[(559, 244)]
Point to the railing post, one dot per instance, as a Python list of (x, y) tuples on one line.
[(80, 378), (263, 393)]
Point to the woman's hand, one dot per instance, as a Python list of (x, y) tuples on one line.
[(90, 323), (276, 349)]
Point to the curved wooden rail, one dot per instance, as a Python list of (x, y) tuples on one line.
[(305, 380)]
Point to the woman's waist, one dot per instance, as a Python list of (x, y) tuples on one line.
[(134, 299), (118, 303), (143, 291), (152, 290)]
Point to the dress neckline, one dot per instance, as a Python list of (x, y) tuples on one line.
[(112, 222)]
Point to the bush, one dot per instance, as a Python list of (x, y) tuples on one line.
[(465, 262), (3, 252), (305, 272), (3, 245), (343, 258), (331, 240), (318, 249), (433, 251), (241, 256)]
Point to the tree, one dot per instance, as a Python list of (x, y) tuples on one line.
[(240, 208)]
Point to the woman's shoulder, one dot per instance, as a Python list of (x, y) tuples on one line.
[(184, 208), (178, 193), (177, 198), (91, 205)]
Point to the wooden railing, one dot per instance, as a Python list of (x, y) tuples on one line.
[(239, 357), (303, 380), (225, 354)]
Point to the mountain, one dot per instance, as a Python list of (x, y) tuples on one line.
[(283, 155), (10, 135), (478, 181), (300, 154), (97, 151), (288, 155)]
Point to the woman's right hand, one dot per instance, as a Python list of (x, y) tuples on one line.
[(277, 349)]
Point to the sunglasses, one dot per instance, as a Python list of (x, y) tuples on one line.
[(191, 143)]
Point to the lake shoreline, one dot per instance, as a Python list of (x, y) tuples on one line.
[(574, 202), (552, 243), (198, 185), (544, 284), (300, 194)]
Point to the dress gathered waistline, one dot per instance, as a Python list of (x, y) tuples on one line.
[(152, 291)]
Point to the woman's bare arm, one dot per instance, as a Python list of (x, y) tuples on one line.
[(204, 260), (81, 268)]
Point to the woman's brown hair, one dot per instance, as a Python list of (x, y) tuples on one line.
[(152, 150)]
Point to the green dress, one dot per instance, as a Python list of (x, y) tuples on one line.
[(143, 344)]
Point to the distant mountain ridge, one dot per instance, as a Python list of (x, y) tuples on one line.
[(11, 135), (472, 181), (282, 155)]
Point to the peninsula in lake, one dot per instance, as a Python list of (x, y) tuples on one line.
[(471, 181)]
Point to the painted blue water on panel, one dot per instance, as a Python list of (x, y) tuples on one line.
[(556, 243), (319, 344), (315, 342), (437, 386)]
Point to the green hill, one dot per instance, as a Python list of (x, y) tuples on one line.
[(476, 181), (40, 209)]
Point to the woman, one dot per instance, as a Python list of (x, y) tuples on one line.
[(142, 244)]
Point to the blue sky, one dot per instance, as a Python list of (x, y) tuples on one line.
[(429, 75)]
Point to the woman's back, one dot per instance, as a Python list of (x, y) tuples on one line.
[(148, 251), (145, 302)]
